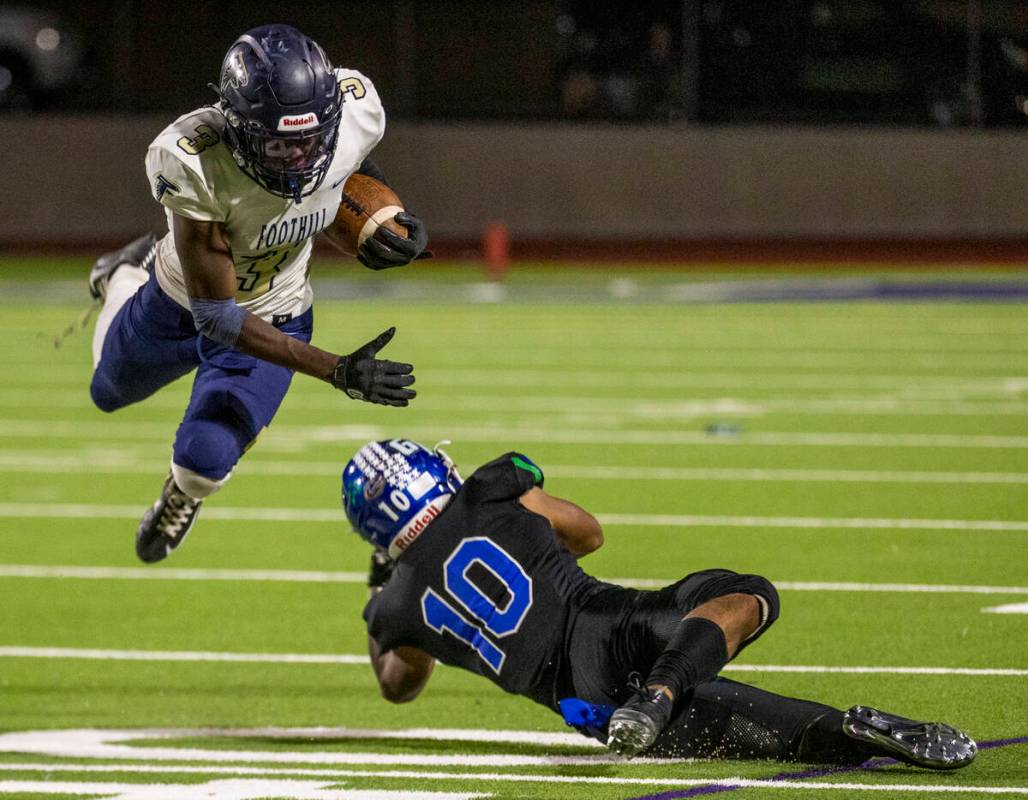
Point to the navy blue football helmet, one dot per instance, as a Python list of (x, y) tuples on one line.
[(282, 107), (393, 490)]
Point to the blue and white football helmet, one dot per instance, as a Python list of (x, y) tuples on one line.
[(393, 490), (282, 106)]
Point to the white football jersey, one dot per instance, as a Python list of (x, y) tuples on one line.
[(193, 174)]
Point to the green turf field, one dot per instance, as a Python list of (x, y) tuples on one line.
[(870, 458)]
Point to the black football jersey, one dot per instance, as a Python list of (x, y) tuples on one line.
[(487, 586)]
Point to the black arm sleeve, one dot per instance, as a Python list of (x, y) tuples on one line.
[(372, 170)]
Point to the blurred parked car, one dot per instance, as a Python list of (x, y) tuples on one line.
[(39, 54)]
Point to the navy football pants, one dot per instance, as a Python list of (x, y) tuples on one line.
[(152, 342)]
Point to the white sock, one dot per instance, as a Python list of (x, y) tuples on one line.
[(124, 283), (195, 485)]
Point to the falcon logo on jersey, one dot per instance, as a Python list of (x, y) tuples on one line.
[(235, 74), (161, 186), (298, 123)]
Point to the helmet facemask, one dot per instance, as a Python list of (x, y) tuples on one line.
[(289, 164)]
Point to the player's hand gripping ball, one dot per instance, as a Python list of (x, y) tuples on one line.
[(372, 223)]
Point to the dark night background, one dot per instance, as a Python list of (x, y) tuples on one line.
[(892, 62)]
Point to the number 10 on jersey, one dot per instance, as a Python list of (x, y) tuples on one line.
[(486, 615)]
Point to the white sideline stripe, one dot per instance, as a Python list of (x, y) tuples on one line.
[(315, 576), (334, 516), (491, 777), (327, 658), (114, 462), (292, 435)]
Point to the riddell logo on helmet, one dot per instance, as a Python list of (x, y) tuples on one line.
[(299, 123), (417, 526)]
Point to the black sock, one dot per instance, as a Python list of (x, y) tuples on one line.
[(696, 652)]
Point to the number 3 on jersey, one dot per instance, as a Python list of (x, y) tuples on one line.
[(486, 615)]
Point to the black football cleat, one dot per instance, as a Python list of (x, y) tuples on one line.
[(165, 525), (932, 745), (139, 253), (639, 721)]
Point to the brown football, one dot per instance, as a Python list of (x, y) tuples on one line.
[(366, 204)]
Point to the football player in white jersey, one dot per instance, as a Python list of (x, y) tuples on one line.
[(247, 183)]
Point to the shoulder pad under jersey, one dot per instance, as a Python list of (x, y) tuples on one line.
[(184, 162)]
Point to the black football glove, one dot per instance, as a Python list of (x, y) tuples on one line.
[(381, 570), (364, 377), (386, 249)]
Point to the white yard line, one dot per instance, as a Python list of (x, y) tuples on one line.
[(159, 790), (856, 670), (676, 375), (1010, 608), (328, 658), (625, 408), (226, 789), (93, 654), (334, 516), (783, 475), (717, 521), (172, 574), (145, 769), (113, 461), (107, 744), (317, 576), (296, 435)]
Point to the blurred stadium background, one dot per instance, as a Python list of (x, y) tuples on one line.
[(747, 279), (688, 130)]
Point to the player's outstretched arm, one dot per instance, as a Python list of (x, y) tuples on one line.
[(402, 673), (577, 529), (210, 277)]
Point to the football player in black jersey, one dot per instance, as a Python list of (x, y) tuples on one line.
[(482, 574)]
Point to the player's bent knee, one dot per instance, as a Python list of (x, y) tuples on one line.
[(767, 594), (208, 449), (103, 394), (725, 582)]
